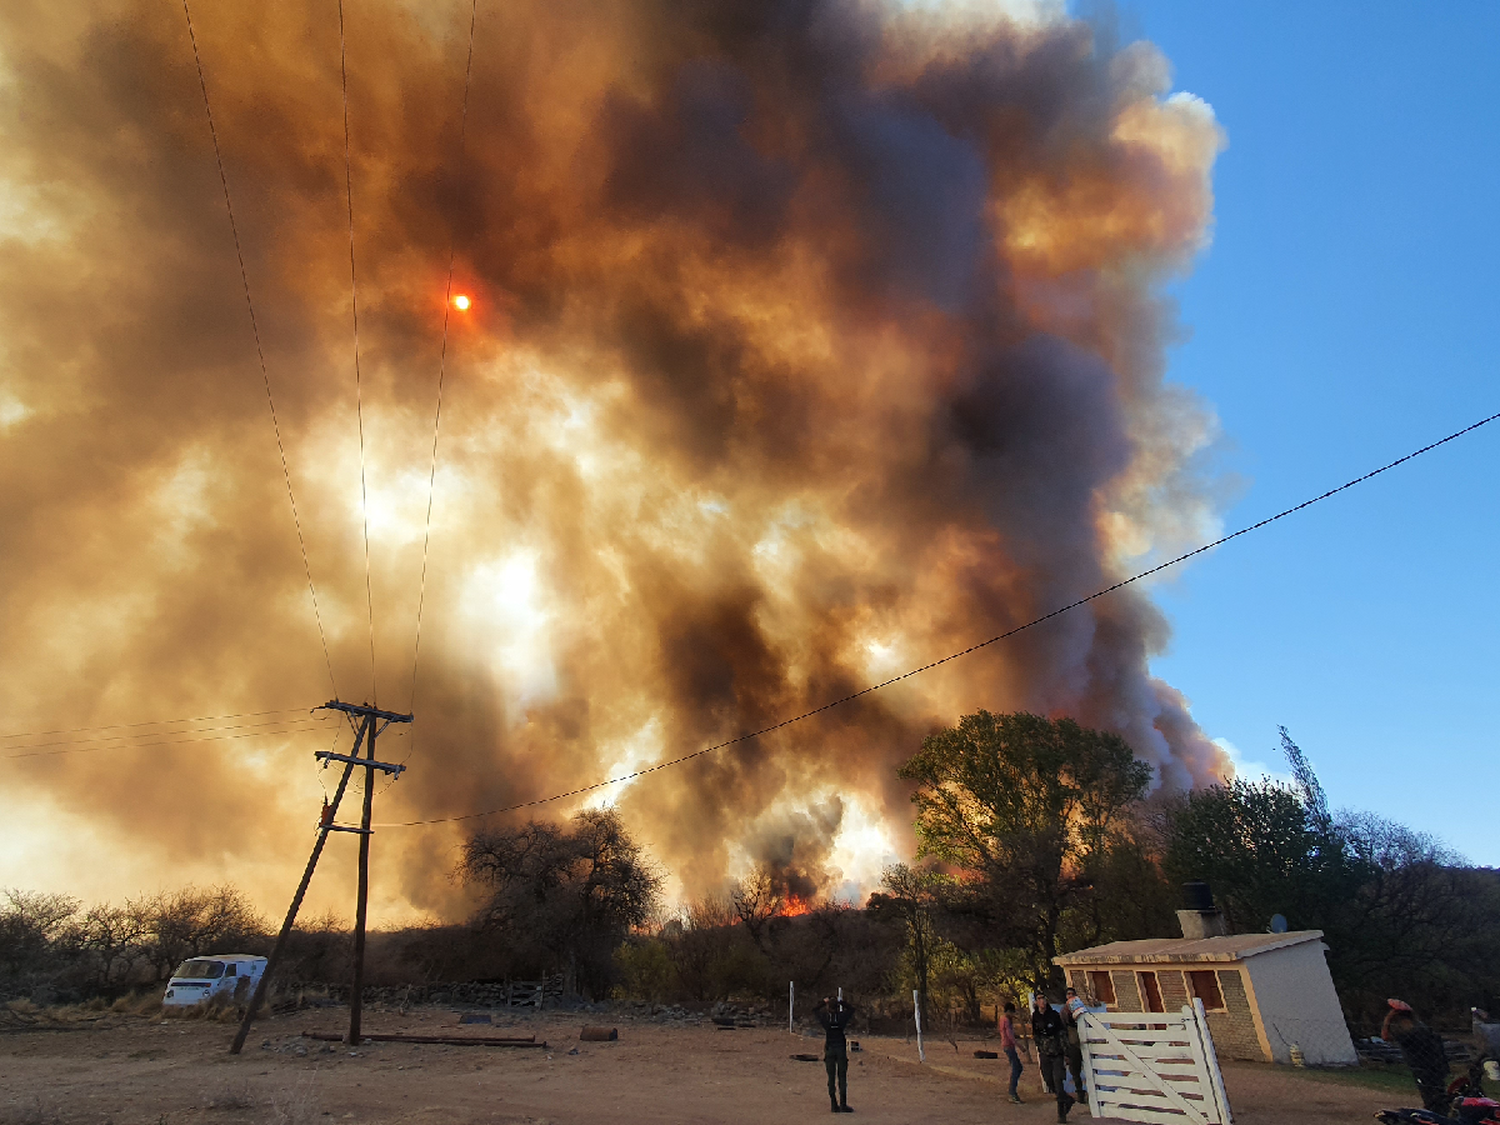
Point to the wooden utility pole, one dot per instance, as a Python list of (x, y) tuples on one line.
[(364, 736), (370, 765), (357, 995)]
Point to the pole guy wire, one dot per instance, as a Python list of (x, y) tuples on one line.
[(259, 350), (1058, 612), (359, 407)]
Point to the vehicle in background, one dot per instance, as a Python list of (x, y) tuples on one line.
[(229, 977)]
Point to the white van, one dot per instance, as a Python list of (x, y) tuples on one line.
[(230, 976)]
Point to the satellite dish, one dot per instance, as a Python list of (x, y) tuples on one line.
[(1278, 923)]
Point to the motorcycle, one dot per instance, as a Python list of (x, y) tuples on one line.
[(1467, 1105)]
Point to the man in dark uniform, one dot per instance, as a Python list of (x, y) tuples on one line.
[(1051, 1039), (835, 1015), (1422, 1048)]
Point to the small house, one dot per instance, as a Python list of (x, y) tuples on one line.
[(1262, 993)]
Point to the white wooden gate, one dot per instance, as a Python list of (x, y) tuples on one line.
[(1153, 1067)]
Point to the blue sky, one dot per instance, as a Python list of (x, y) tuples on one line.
[(1346, 313)]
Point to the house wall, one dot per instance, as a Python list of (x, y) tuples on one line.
[(1127, 993), (1233, 1029), (1174, 989), (1294, 992)]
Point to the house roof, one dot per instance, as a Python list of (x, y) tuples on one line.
[(1231, 947)]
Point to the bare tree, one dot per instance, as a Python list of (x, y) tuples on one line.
[(563, 898), (756, 900), (30, 923), (192, 922)]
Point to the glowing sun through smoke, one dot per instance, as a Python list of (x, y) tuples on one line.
[(820, 340)]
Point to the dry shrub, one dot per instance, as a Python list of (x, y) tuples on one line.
[(139, 1003), (294, 1105), (233, 1095)]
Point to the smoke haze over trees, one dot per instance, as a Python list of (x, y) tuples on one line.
[(1402, 916)]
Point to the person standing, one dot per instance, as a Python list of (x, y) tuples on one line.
[(835, 1015), (1051, 1050), (1422, 1048), (1008, 1045), (1072, 1013)]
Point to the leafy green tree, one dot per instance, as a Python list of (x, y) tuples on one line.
[(1261, 852), (1401, 915), (1028, 808), (915, 896)]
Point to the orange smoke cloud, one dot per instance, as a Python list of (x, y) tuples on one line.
[(812, 341)]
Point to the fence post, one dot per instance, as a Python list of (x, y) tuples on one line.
[(1094, 1094), (916, 1005), (1211, 1058)]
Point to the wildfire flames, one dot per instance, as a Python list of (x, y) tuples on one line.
[(818, 340)]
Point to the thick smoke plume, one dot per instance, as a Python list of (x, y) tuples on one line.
[(810, 341)]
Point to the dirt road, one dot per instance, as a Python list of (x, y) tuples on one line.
[(129, 1070)]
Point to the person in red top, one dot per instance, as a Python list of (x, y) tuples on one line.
[(1008, 1045)]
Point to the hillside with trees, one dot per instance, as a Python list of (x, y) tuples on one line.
[(1036, 837)]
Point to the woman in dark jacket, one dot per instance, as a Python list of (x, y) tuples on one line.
[(1051, 1039)]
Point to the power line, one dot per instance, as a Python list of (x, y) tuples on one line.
[(437, 416), (359, 407), (122, 740), (78, 749), (259, 350), (153, 723), (957, 655), (463, 132)]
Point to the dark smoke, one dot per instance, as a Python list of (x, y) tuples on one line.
[(811, 341)]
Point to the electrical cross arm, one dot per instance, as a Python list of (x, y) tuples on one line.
[(330, 756), (357, 709)]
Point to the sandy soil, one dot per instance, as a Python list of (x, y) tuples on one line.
[(123, 1070)]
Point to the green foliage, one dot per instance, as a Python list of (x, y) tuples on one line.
[(1030, 809), (1256, 846), (1401, 915), (1019, 789), (915, 898), (644, 970)]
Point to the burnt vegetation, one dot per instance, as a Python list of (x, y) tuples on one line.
[(1036, 837)]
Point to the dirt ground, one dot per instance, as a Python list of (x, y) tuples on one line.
[(124, 1070)]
